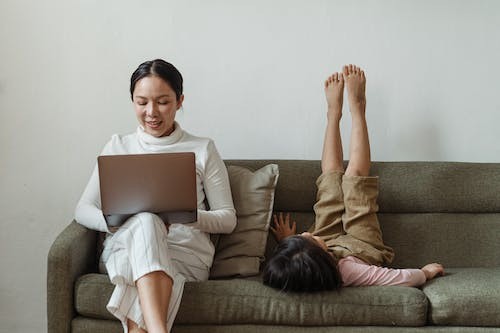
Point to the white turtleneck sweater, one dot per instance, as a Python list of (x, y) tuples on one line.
[(211, 181)]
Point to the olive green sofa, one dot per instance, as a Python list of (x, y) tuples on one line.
[(429, 211)]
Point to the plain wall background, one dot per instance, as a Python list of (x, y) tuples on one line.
[(253, 75)]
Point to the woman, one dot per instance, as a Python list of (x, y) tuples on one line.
[(345, 246), (148, 261)]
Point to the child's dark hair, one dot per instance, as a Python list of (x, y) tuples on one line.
[(299, 264)]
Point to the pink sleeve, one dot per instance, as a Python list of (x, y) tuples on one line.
[(356, 272)]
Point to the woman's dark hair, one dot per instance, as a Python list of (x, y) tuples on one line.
[(299, 264), (159, 67)]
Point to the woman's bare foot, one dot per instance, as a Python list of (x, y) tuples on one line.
[(356, 81), (334, 92)]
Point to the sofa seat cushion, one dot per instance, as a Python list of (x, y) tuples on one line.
[(467, 296), (247, 301)]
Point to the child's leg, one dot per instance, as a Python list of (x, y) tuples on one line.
[(330, 202), (359, 149), (332, 158), (360, 191)]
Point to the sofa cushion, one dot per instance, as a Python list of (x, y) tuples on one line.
[(247, 301), (468, 296), (241, 252), (455, 240), (92, 293), (405, 187)]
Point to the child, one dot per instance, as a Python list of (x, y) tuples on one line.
[(344, 247)]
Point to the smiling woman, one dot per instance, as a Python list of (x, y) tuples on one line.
[(156, 90), (147, 260)]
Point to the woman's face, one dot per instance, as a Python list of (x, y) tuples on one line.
[(155, 105)]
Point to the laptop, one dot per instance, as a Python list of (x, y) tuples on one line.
[(164, 184)]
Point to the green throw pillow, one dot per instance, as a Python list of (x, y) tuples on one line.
[(241, 252)]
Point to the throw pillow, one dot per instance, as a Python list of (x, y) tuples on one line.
[(241, 252)]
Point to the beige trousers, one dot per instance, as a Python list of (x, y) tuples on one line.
[(346, 217)]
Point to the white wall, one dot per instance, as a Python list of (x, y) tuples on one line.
[(253, 81)]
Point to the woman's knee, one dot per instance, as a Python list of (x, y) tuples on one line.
[(146, 221)]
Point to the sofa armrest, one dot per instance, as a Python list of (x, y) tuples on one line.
[(72, 254)]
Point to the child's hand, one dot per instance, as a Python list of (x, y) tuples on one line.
[(431, 270), (282, 227)]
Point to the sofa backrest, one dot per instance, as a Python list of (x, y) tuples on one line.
[(443, 212)]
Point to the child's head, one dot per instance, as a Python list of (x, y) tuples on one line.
[(301, 264)]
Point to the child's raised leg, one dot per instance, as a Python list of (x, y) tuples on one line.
[(332, 158), (359, 149), (330, 202), (361, 191)]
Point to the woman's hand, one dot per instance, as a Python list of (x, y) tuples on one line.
[(431, 270), (282, 227)]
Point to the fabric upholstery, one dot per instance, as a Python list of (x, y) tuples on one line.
[(469, 297), (429, 211), (405, 187), (240, 301), (455, 240), (295, 190), (327, 329), (85, 325), (71, 255), (241, 252)]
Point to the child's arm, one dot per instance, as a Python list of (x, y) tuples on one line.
[(282, 227), (355, 272)]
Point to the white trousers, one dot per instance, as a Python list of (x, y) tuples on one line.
[(140, 246)]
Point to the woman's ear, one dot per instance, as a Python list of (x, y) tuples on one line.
[(180, 101)]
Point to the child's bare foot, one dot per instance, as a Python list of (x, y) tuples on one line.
[(334, 92), (356, 82)]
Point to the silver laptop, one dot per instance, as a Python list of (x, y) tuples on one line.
[(164, 184)]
